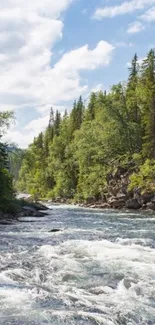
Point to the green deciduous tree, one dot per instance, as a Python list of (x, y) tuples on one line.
[(78, 151)]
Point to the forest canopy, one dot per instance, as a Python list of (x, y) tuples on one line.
[(78, 152)]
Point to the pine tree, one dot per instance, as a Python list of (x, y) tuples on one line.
[(131, 90), (148, 100), (57, 122), (133, 106), (91, 107), (77, 115)]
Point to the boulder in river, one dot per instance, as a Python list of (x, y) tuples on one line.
[(55, 230)]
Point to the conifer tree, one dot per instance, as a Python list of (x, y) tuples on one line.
[(148, 100)]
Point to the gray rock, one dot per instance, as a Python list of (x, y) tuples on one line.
[(150, 206), (133, 204), (39, 206), (116, 203), (153, 199), (147, 197), (55, 230), (122, 197), (28, 208)]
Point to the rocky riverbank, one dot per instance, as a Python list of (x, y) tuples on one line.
[(120, 202), (117, 194), (140, 202), (24, 209)]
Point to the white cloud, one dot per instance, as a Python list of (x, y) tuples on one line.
[(140, 61), (38, 125), (27, 77), (97, 88), (149, 15), (33, 128), (20, 138), (124, 8), (33, 82), (123, 44), (28, 32), (135, 27), (85, 59)]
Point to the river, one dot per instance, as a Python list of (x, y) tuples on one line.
[(100, 269)]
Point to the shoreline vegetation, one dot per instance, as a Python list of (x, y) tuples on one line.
[(100, 155)]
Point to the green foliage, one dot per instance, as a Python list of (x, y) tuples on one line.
[(6, 188), (76, 154), (144, 179)]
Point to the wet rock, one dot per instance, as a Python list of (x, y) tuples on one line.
[(69, 277), (122, 197), (39, 214), (103, 206), (28, 208), (98, 206), (55, 230), (153, 199), (91, 206), (128, 282), (30, 212), (147, 197), (7, 218), (101, 290), (133, 204), (116, 203), (6, 222), (150, 206), (40, 207)]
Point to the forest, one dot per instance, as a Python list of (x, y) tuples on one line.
[(6, 179), (101, 146)]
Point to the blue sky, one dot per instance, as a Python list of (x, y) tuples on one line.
[(53, 51)]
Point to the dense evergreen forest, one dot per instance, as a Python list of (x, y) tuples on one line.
[(6, 180), (84, 154)]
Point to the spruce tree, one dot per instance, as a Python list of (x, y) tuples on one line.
[(148, 100)]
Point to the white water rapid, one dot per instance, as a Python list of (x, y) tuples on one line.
[(99, 269)]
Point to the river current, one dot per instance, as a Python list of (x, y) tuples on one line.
[(99, 269)]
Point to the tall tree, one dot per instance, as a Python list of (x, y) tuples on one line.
[(91, 107), (147, 84), (6, 188)]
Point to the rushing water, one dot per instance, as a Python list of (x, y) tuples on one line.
[(100, 269)]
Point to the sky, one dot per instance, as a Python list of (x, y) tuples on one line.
[(51, 52)]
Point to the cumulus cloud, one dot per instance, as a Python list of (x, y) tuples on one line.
[(33, 128), (22, 139), (29, 79), (28, 32)]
